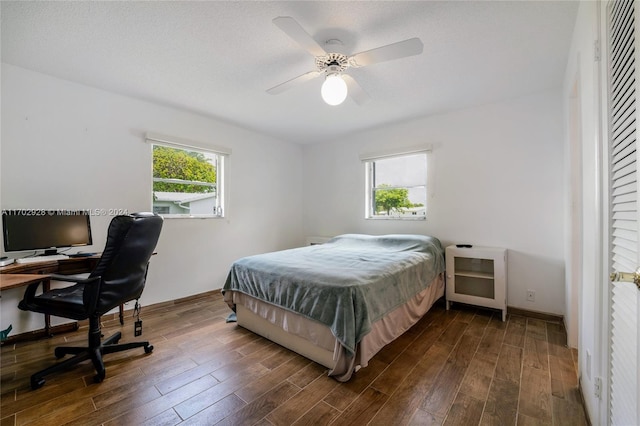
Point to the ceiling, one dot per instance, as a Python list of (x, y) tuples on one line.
[(218, 58)]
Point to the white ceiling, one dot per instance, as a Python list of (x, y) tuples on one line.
[(218, 58)]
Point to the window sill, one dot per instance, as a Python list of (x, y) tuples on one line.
[(396, 218), (190, 216)]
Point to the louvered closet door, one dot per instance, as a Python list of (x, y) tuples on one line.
[(624, 391)]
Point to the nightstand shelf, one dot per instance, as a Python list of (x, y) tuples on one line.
[(472, 274), (477, 276)]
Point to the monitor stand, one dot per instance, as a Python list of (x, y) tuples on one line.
[(49, 252)]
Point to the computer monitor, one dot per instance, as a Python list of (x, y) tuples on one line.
[(45, 229)]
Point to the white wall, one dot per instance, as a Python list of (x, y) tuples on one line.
[(496, 179), (581, 74), (65, 145)]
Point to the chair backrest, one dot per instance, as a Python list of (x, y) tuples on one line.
[(131, 241)]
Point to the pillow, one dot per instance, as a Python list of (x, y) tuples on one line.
[(391, 242)]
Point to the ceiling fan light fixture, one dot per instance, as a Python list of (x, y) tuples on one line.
[(334, 89)]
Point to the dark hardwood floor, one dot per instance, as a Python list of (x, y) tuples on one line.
[(458, 367)]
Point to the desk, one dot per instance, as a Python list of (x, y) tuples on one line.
[(21, 275), (8, 281), (72, 265)]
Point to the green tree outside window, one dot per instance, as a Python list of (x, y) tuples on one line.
[(388, 199), (171, 163)]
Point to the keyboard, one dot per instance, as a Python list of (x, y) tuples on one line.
[(73, 255), (41, 259)]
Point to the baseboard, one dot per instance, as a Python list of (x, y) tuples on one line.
[(159, 305), (535, 314), (163, 305), (38, 334), (63, 328)]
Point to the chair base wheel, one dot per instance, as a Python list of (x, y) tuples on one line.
[(37, 382), (93, 352), (98, 378)]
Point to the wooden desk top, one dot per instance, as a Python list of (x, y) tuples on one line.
[(8, 281), (72, 265)]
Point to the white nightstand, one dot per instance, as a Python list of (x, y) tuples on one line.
[(477, 276)]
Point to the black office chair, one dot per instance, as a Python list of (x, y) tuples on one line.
[(118, 277)]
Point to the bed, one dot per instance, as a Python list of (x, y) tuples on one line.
[(340, 302)]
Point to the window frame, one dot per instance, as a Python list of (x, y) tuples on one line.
[(369, 160), (222, 155)]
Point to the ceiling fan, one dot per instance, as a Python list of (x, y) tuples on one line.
[(332, 65)]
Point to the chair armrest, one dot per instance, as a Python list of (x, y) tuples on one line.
[(29, 294)]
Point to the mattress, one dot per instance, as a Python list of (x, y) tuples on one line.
[(316, 342), (348, 297)]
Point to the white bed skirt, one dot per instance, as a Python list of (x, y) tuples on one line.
[(315, 341)]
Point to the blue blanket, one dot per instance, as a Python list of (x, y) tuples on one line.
[(347, 283)]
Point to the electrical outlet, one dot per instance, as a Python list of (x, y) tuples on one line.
[(531, 295)]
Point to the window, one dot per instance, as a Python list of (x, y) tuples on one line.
[(161, 209), (396, 186), (187, 181)]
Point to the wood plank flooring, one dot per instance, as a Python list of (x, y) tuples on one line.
[(459, 367)]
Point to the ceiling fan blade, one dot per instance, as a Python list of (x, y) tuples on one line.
[(293, 82), (401, 49), (291, 27), (356, 91)]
